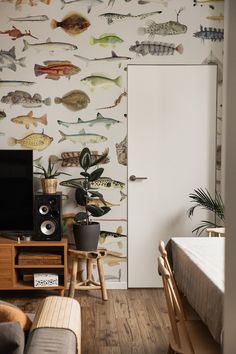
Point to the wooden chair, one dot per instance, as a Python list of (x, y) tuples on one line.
[(186, 337), (216, 231)]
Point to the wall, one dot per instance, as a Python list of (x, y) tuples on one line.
[(230, 172), (175, 23)]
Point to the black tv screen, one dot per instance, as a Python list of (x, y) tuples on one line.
[(16, 191)]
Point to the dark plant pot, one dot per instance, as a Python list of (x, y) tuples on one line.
[(86, 236)]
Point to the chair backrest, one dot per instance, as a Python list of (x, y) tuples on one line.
[(180, 334), (216, 231), (164, 256)]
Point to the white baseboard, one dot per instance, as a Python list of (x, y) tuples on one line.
[(116, 285)]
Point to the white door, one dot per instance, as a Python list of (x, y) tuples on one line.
[(171, 143)]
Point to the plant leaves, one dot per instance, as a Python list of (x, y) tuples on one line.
[(96, 174), (85, 159), (105, 209), (95, 210), (80, 217), (85, 174), (100, 159), (80, 196)]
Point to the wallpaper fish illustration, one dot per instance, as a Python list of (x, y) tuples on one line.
[(63, 67), (101, 183)]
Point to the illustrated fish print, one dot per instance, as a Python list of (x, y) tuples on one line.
[(91, 122), (155, 48), (211, 33), (15, 33), (122, 151), (71, 158), (101, 183), (161, 2), (216, 18), (82, 137), (16, 83), (112, 16), (203, 2), (212, 59), (74, 100), (30, 18), (28, 119), (106, 39), (100, 203), (72, 24), (117, 101), (90, 3), (2, 115), (34, 141), (122, 196), (2, 134), (113, 58), (105, 234), (56, 69), (19, 3), (163, 29), (112, 2), (96, 80), (49, 46), (25, 99), (8, 60)]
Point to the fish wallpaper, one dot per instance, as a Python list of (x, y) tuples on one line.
[(63, 86)]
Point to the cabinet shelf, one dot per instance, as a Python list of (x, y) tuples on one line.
[(11, 273)]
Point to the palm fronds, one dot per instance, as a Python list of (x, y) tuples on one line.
[(203, 199)]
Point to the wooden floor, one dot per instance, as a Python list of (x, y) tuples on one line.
[(131, 321)]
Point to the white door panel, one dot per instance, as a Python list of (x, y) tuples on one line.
[(171, 141)]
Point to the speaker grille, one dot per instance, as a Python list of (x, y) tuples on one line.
[(47, 217)]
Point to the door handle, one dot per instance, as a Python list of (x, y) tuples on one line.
[(134, 178)]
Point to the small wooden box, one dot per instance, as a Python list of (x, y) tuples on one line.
[(37, 258)]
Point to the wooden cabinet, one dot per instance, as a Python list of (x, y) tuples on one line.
[(17, 276)]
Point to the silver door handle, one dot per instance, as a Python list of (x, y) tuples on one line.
[(133, 178)]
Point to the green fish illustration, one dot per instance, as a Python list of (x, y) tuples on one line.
[(106, 39), (101, 183), (95, 80), (98, 120), (82, 137)]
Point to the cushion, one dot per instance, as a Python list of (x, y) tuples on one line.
[(12, 339), (9, 313)]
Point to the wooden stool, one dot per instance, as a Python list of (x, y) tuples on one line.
[(89, 283)]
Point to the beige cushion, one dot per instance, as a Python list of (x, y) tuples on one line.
[(9, 313)]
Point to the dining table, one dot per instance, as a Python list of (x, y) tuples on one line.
[(198, 266)]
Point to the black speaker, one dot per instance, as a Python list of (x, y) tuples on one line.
[(47, 217)]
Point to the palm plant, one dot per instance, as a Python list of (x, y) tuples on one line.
[(203, 199)]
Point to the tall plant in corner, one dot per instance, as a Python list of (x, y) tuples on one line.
[(203, 199), (86, 232)]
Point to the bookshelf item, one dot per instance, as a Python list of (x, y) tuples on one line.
[(17, 276), (47, 280)]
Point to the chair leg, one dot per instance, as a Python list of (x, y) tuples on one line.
[(102, 279)]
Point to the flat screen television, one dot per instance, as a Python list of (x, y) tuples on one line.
[(16, 192)]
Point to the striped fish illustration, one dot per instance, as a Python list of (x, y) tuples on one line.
[(211, 33), (155, 48)]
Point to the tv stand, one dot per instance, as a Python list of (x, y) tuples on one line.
[(17, 276)]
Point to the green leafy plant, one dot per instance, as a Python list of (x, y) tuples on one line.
[(83, 194), (50, 171), (203, 199)]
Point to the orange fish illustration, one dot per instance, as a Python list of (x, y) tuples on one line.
[(73, 24), (56, 69)]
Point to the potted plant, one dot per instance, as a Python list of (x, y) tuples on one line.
[(49, 182), (203, 199), (86, 231)]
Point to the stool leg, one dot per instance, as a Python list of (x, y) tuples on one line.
[(102, 279), (73, 277), (89, 270)]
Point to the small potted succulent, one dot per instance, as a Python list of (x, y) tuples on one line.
[(86, 232), (49, 180)]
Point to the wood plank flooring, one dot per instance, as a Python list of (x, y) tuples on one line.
[(133, 321)]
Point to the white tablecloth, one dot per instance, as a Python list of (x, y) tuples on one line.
[(198, 264)]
